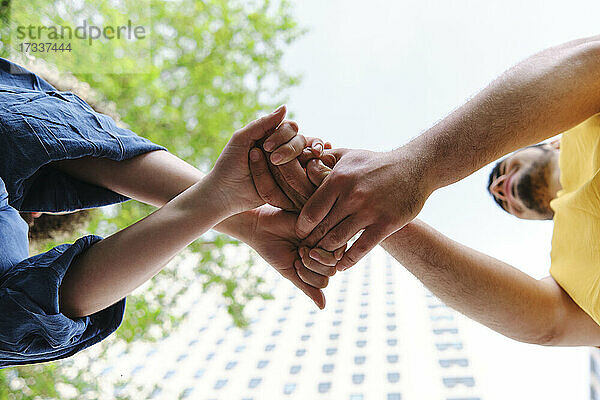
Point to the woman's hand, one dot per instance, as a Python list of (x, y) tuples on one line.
[(231, 174)]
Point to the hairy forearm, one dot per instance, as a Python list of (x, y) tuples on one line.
[(110, 269), (538, 98), (481, 287)]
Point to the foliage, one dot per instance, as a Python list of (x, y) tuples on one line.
[(214, 66)]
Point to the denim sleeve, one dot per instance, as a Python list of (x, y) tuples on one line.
[(32, 329), (38, 127)]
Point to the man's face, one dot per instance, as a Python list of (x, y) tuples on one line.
[(524, 183)]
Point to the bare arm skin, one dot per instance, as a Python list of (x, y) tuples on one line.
[(490, 291), (380, 192)]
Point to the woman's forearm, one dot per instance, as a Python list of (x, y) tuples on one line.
[(153, 178), (479, 286), (112, 268)]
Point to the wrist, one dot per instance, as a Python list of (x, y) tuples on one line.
[(414, 162), (240, 226), (203, 201)]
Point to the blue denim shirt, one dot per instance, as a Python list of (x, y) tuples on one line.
[(38, 125)]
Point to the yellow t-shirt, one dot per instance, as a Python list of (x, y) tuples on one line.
[(575, 255)]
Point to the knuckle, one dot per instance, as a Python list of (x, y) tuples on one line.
[(321, 281), (352, 258)]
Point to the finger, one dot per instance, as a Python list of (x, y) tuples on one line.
[(316, 145), (306, 156), (288, 151), (315, 294), (265, 184), (327, 146), (316, 266), (338, 213), (283, 134), (339, 253), (316, 208), (322, 256), (337, 153), (341, 234), (259, 128), (309, 277), (294, 175), (317, 171), (329, 160), (370, 238)]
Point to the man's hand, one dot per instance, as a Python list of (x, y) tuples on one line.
[(272, 235), (377, 192)]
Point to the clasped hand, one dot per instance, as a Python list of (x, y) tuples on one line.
[(337, 193)]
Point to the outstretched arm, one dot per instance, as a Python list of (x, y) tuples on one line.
[(381, 192), (490, 291)]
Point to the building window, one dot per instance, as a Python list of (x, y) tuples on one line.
[(393, 377), (391, 327), (392, 358), (394, 396), (309, 324), (254, 382), (461, 362), (169, 374), (327, 368), (220, 384), (209, 356), (359, 360), (269, 347), (364, 304), (247, 333), (334, 336), (339, 311), (357, 379), (363, 316), (441, 317), (361, 343), (199, 373), (294, 369), (181, 357), (391, 314), (392, 342), (276, 332), (357, 396), (390, 302), (362, 329), (331, 351), (230, 365), (219, 341), (300, 352), (304, 338), (445, 330), (446, 346), (452, 382), (186, 393), (262, 363), (289, 388), (282, 319), (324, 387), (240, 348)]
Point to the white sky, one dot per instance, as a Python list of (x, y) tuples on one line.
[(377, 73)]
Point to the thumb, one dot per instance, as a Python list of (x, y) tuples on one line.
[(259, 128), (317, 171)]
